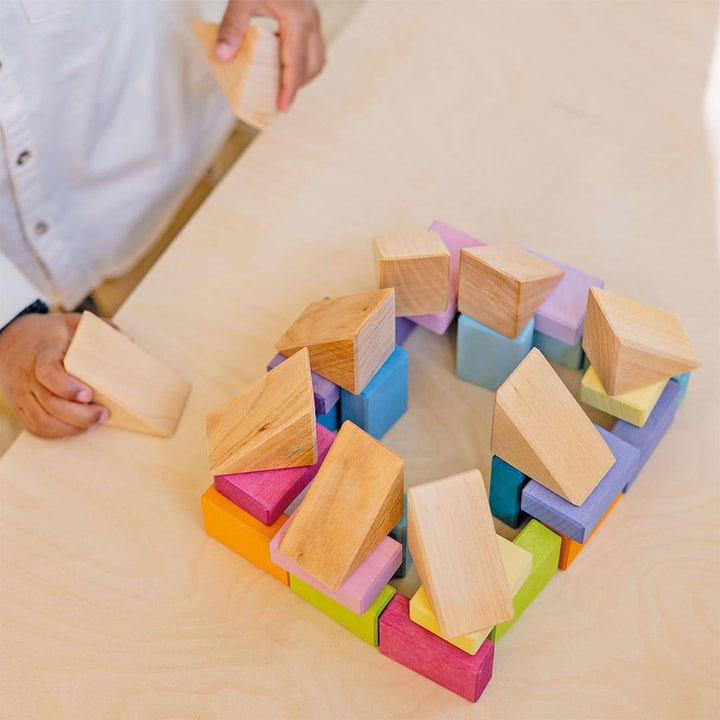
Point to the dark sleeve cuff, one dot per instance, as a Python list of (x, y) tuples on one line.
[(37, 307)]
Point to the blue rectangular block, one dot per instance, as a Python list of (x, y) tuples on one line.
[(399, 533), (331, 419), (485, 357), (557, 350), (682, 381), (385, 399), (506, 485), (577, 522)]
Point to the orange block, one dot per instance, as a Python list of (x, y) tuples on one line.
[(570, 548), (241, 532)]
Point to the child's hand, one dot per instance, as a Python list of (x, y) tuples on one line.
[(48, 401), (302, 48)]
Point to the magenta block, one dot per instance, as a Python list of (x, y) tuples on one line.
[(431, 656), (362, 587), (267, 493), (455, 241), (325, 392)]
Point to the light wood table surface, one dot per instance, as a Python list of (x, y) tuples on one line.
[(574, 128)]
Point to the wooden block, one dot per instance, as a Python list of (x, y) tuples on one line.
[(266, 494), (502, 286), (383, 401), (365, 625), (404, 327), (452, 541), (578, 522), (241, 532), (399, 533), (268, 426), (432, 657), (349, 337), (331, 419), (486, 358), (141, 393), (417, 265), (558, 351), (632, 345), (325, 393), (633, 406), (539, 428), (353, 503), (517, 564), (251, 80), (544, 544), (683, 379), (506, 485)]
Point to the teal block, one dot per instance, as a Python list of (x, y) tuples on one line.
[(558, 351), (506, 486), (399, 533), (485, 357), (682, 381), (331, 419)]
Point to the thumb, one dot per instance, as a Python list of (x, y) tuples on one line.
[(232, 28)]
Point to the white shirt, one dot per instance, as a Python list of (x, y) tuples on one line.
[(109, 116)]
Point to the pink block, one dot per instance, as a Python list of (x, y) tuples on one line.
[(455, 241), (362, 587), (267, 493)]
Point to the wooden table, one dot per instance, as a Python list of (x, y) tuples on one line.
[(574, 128)]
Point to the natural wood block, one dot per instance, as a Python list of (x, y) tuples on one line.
[(633, 345), (141, 393), (349, 337), (241, 532), (502, 286), (326, 393), (539, 428), (269, 425), (251, 80), (353, 503), (417, 265), (454, 548)]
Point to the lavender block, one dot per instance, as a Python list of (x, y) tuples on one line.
[(326, 393), (404, 327)]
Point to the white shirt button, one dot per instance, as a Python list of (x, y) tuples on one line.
[(41, 228), (23, 157)]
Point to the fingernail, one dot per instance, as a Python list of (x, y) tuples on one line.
[(84, 396), (223, 50)]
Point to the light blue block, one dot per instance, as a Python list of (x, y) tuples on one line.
[(506, 485), (385, 399), (485, 357), (399, 533), (682, 381), (331, 419), (557, 350)]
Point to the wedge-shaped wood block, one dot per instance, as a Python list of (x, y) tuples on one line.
[(632, 345), (349, 337), (539, 428), (417, 265), (251, 80), (354, 502), (269, 425), (141, 393), (502, 286), (432, 657), (326, 393), (454, 548), (241, 532)]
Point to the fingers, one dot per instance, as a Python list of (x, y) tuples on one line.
[(79, 415), (40, 423), (51, 374), (316, 56), (294, 36), (232, 28)]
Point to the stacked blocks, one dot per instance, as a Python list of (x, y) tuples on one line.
[(556, 350), (506, 486), (325, 393)]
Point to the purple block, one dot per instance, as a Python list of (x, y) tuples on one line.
[(431, 656), (403, 329), (326, 393), (647, 437), (362, 587), (455, 241), (562, 315), (577, 522), (267, 493)]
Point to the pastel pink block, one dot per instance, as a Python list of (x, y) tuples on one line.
[(266, 494), (455, 241), (359, 591), (431, 656)]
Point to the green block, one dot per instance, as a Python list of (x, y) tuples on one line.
[(365, 626), (544, 544)]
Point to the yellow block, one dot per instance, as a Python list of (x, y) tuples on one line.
[(241, 532), (517, 564), (634, 406)]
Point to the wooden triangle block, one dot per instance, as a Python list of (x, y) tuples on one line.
[(141, 393), (632, 345), (349, 337), (539, 428), (502, 286), (355, 500), (251, 80), (269, 425), (453, 544)]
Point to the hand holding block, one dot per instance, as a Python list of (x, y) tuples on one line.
[(539, 428), (251, 80), (349, 338), (632, 345), (417, 265), (502, 286), (141, 393), (354, 502), (455, 550), (270, 425)]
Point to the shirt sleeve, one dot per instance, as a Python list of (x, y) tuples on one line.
[(16, 292)]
